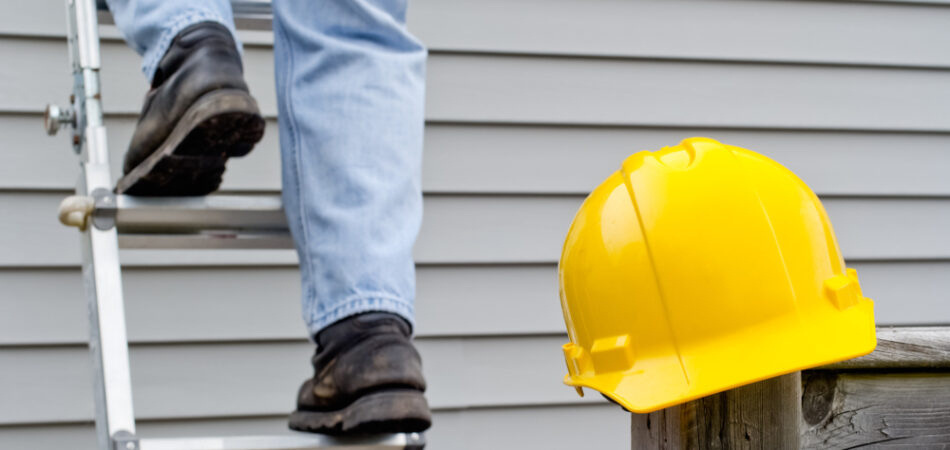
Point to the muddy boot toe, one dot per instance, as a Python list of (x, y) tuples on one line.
[(367, 379)]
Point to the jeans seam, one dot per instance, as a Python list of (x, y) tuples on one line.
[(306, 264)]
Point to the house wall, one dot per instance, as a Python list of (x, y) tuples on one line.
[(530, 104)]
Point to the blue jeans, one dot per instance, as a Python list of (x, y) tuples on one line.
[(350, 91)]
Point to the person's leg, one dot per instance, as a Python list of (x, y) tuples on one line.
[(350, 88), (199, 111), (149, 26)]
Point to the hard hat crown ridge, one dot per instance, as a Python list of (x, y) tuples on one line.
[(701, 267)]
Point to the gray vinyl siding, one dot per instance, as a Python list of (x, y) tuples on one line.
[(530, 104)]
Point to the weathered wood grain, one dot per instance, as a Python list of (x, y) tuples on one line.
[(874, 410), (896, 397), (763, 415), (905, 348)]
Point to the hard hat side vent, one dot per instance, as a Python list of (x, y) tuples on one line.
[(612, 354), (843, 290)]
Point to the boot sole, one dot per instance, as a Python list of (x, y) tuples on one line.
[(391, 411), (221, 124)]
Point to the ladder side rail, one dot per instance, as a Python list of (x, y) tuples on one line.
[(108, 345)]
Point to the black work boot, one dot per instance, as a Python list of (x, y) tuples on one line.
[(197, 114), (368, 380)]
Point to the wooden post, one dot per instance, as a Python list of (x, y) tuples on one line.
[(765, 415)]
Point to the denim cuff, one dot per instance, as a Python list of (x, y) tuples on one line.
[(318, 320), (184, 20)]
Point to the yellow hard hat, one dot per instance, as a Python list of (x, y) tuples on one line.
[(699, 268)]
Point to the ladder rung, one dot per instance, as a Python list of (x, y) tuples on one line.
[(297, 441), (242, 212), (216, 221)]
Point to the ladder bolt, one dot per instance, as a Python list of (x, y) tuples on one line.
[(105, 209), (54, 117)]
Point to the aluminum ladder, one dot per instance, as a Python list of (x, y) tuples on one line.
[(108, 222)]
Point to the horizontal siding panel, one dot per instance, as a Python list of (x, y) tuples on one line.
[(487, 229), (123, 85), (907, 293), (539, 159), (617, 92), (457, 229), (522, 428), (519, 89), (820, 32), (226, 380), (46, 306), (910, 2)]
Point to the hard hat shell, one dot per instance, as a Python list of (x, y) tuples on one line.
[(699, 268)]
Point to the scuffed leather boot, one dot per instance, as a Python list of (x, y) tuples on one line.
[(197, 114), (368, 380)]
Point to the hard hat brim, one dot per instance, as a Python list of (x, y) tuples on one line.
[(737, 359)]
